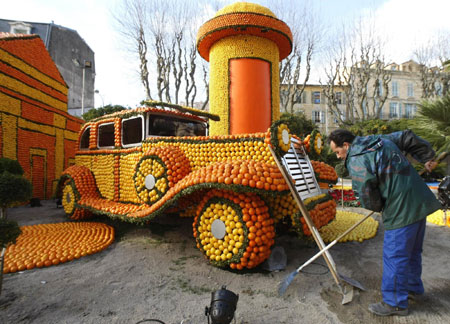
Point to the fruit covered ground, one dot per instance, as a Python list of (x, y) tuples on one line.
[(157, 272)]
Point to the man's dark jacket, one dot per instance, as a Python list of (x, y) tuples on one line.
[(386, 181)]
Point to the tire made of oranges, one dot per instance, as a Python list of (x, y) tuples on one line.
[(233, 230), (69, 201), (160, 169), (45, 245)]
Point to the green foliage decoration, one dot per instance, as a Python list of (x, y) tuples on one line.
[(9, 232), (298, 123), (99, 112), (370, 127), (13, 188), (341, 170), (11, 166), (433, 123)]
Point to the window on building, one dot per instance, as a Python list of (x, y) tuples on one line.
[(318, 117), (410, 110), (84, 140), (410, 89), (106, 135), (315, 97), (379, 85), (19, 28), (339, 100), (393, 110), (394, 85), (438, 88), (132, 131)]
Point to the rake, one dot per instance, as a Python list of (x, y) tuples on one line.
[(288, 280)]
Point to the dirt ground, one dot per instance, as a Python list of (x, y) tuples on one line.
[(156, 272)]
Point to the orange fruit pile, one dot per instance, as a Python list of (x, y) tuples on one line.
[(51, 244), (321, 215), (324, 171)]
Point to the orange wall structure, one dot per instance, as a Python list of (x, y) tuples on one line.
[(35, 128)]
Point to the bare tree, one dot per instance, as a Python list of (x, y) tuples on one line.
[(435, 81), (206, 83), (357, 65), (334, 81), (306, 37), (189, 74), (176, 62), (162, 35), (131, 20)]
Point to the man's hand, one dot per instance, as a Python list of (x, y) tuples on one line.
[(430, 165)]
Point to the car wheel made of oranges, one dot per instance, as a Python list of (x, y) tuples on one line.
[(233, 229), (316, 142), (279, 138), (69, 200), (157, 171)]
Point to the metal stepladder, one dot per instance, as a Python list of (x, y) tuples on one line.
[(299, 175)]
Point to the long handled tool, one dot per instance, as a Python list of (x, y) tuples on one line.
[(288, 280), (441, 156), (298, 159)]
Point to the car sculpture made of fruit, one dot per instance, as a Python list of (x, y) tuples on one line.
[(137, 164)]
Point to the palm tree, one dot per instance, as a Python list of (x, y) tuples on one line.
[(433, 123)]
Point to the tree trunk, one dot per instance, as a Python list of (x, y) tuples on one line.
[(2, 216), (1, 269)]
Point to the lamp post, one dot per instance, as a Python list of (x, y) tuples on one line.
[(86, 65), (103, 102)]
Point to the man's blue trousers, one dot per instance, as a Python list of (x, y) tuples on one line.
[(402, 263)]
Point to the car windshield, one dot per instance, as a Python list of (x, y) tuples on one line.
[(173, 126)]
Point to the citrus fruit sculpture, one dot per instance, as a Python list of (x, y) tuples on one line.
[(344, 220), (51, 244), (229, 180), (439, 218), (214, 166)]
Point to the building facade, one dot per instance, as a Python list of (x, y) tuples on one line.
[(35, 127), (313, 103), (71, 54), (405, 91)]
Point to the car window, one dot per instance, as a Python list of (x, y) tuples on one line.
[(172, 126), (106, 135), (132, 131), (84, 140)]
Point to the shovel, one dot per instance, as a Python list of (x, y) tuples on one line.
[(288, 280)]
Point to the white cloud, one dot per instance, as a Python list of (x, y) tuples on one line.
[(407, 24)]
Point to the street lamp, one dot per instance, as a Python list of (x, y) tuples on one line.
[(86, 65), (103, 102)]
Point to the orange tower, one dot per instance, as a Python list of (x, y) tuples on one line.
[(244, 44)]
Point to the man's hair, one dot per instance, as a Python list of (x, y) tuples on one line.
[(340, 136)]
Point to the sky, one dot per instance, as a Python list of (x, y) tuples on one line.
[(404, 23)]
